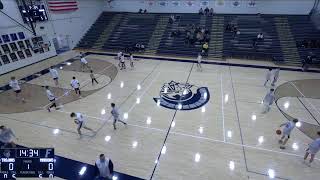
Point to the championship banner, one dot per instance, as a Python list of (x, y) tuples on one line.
[(190, 3), (236, 3), (220, 2), (252, 3), (150, 2), (163, 3), (175, 3), (204, 3)]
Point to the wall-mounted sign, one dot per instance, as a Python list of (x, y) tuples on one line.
[(176, 3), (204, 3), (236, 3), (190, 3), (252, 3), (220, 2)]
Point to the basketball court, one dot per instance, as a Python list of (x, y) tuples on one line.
[(220, 134)]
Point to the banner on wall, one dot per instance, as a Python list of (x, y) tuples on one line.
[(175, 3), (190, 3), (236, 3), (163, 3), (220, 3), (252, 3), (204, 3), (150, 2)]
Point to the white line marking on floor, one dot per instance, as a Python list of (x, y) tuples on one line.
[(313, 107), (222, 109)]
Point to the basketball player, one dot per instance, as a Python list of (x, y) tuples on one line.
[(7, 136), (268, 101), (79, 119), (14, 84), (54, 74), (286, 131), (123, 64), (199, 61), (76, 86), (275, 76), (93, 78), (268, 76), (84, 63), (116, 116), (119, 54), (313, 148), (131, 61), (51, 98)]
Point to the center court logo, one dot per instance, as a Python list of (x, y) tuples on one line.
[(182, 96)]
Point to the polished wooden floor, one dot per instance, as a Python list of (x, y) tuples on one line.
[(228, 138)]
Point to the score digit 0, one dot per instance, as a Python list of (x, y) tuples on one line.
[(50, 166)]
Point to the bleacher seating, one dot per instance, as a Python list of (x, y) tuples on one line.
[(95, 30), (303, 29), (242, 45), (176, 46), (133, 28)]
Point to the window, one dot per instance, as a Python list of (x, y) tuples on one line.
[(14, 37), (21, 45), (5, 38), (5, 48), (5, 59), (13, 57), (28, 52), (13, 46), (21, 55), (21, 35)]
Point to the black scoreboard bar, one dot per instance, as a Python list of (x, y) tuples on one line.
[(26, 162)]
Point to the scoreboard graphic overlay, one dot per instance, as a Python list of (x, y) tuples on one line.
[(26, 162)]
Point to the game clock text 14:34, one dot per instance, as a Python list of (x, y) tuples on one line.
[(27, 162)]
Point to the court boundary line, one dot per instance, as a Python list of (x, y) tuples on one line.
[(222, 109)]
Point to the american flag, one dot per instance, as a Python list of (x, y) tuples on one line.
[(62, 5)]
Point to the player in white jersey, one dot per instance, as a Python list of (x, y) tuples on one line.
[(131, 60), (14, 84), (7, 136), (268, 76), (123, 64), (275, 76), (55, 75), (51, 98), (286, 131), (313, 148), (84, 63), (76, 86), (116, 116), (199, 59), (268, 101), (119, 54), (80, 121)]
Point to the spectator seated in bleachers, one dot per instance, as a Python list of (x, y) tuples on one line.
[(175, 33), (138, 47), (307, 61), (205, 47), (254, 43), (260, 37), (310, 43), (200, 11), (230, 27), (211, 13), (206, 11), (172, 19)]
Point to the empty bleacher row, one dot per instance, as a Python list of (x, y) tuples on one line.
[(303, 29), (131, 28), (241, 46)]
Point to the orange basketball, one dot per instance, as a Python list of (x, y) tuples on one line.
[(278, 131)]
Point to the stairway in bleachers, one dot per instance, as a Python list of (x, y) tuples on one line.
[(157, 34), (287, 41), (216, 38), (104, 36)]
